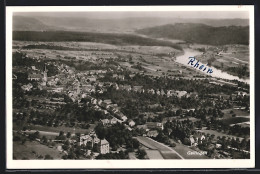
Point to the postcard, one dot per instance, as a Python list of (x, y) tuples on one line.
[(111, 87)]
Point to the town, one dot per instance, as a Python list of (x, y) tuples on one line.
[(118, 103)]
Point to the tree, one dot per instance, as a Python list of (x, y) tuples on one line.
[(44, 139), (68, 135), (48, 157), (136, 144), (141, 153)]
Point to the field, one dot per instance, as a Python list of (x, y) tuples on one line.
[(220, 134), (235, 120), (32, 150), (232, 60), (183, 151), (154, 154), (61, 128), (238, 113), (156, 148), (169, 155)]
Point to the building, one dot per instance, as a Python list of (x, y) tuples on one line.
[(192, 141), (113, 121), (179, 94), (124, 87), (45, 76), (27, 87), (199, 138), (105, 121), (131, 123), (152, 133), (35, 77), (84, 139), (138, 88), (104, 146), (154, 125)]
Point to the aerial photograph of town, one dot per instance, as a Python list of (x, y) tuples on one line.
[(134, 85)]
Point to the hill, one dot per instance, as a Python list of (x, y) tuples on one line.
[(21, 23), (109, 38), (200, 33), (84, 23)]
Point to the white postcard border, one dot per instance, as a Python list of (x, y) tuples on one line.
[(85, 164)]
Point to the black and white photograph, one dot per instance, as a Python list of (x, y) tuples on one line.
[(130, 87)]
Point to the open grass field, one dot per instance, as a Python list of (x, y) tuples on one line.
[(169, 155), (227, 113), (154, 154), (61, 128), (220, 134), (165, 151), (32, 150), (183, 150), (152, 144), (235, 120)]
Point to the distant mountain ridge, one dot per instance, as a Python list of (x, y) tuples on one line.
[(21, 23), (39, 23), (200, 33)]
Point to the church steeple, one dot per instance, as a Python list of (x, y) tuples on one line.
[(45, 77)]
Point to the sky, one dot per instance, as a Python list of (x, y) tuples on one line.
[(163, 14)]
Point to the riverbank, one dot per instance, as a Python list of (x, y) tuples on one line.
[(184, 59)]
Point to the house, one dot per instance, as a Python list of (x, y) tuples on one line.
[(151, 91), (121, 116), (92, 79), (154, 125), (35, 77), (218, 146), (162, 92), (34, 68), (138, 88), (27, 87), (96, 140), (124, 118), (199, 138), (108, 101), (125, 87), (88, 88), (105, 121), (113, 121), (104, 146), (141, 127), (115, 76), (193, 95), (84, 139), (170, 93), (58, 90), (131, 75), (192, 141), (131, 123), (152, 133), (121, 77), (52, 82), (99, 102), (179, 94)]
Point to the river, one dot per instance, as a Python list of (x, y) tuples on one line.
[(183, 59)]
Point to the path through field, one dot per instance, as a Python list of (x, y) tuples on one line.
[(165, 151)]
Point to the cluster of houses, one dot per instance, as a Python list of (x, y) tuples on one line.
[(107, 105), (167, 93)]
